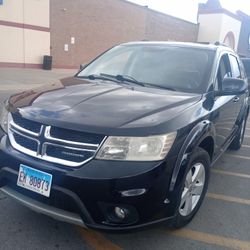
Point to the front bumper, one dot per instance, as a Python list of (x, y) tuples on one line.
[(68, 217), (39, 207), (87, 195)]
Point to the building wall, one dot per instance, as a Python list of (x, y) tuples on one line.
[(12, 11), (209, 27), (98, 25), (36, 12), (216, 25), (230, 24), (24, 32), (36, 45), (11, 45), (164, 27)]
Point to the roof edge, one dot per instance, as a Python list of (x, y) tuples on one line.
[(219, 11)]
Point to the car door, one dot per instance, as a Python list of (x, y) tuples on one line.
[(246, 65), (237, 73), (225, 107)]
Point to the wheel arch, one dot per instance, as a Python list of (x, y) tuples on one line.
[(202, 135), (208, 144)]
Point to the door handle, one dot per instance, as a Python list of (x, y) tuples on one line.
[(236, 99)]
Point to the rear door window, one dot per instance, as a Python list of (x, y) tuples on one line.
[(246, 63)]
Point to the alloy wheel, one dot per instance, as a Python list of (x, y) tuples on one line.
[(194, 184)]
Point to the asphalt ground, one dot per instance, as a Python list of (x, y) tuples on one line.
[(223, 221)]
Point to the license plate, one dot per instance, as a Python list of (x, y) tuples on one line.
[(34, 180)]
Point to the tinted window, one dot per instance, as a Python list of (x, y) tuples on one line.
[(235, 67), (224, 71), (183, 68), (246, 63)]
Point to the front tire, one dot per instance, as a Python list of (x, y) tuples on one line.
[(194, 187)]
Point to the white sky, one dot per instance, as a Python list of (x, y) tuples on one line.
[(187, 9)]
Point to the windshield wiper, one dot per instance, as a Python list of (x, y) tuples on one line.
[(99, 77), (124, 78), (114, 78)]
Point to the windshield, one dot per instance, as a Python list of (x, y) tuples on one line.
[(178, 68)]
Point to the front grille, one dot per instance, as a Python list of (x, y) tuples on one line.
[(53, 144), (26, 142), (68, 154), (34, 127), (76, 136)]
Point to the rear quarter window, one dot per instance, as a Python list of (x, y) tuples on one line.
[(246, 63), (236, 72)]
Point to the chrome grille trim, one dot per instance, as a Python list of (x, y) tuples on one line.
[(47, 140), (11, 123), (48, 136), (64, 162), (19, 147), (66, 147), (13, 130)]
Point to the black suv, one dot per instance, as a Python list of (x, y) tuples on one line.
[(129, 140)]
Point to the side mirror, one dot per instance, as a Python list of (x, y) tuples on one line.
[(233, 86)]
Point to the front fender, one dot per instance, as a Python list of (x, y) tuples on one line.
[(201, 130)]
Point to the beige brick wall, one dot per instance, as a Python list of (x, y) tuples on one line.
[(35, 12), (11, 49), (98, 25), (19, 44)]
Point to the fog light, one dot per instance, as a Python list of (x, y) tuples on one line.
[(120, 213)]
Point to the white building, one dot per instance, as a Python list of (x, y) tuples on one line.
[(24, 32), (218, 24)]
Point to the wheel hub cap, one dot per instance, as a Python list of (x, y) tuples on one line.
[(194, 184)]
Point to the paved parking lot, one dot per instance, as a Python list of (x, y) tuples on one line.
[(223, 221)]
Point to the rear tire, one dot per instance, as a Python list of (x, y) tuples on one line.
[(238, 140), (194, 187)]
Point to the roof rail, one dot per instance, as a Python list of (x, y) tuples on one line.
[(220, 44), (206, 43), (216, 43)]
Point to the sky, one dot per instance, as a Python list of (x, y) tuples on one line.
[(187, 9)]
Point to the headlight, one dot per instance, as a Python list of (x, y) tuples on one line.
[(151, 148), (4, 118)]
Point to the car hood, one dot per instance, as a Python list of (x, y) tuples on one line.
[(100, 106)]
